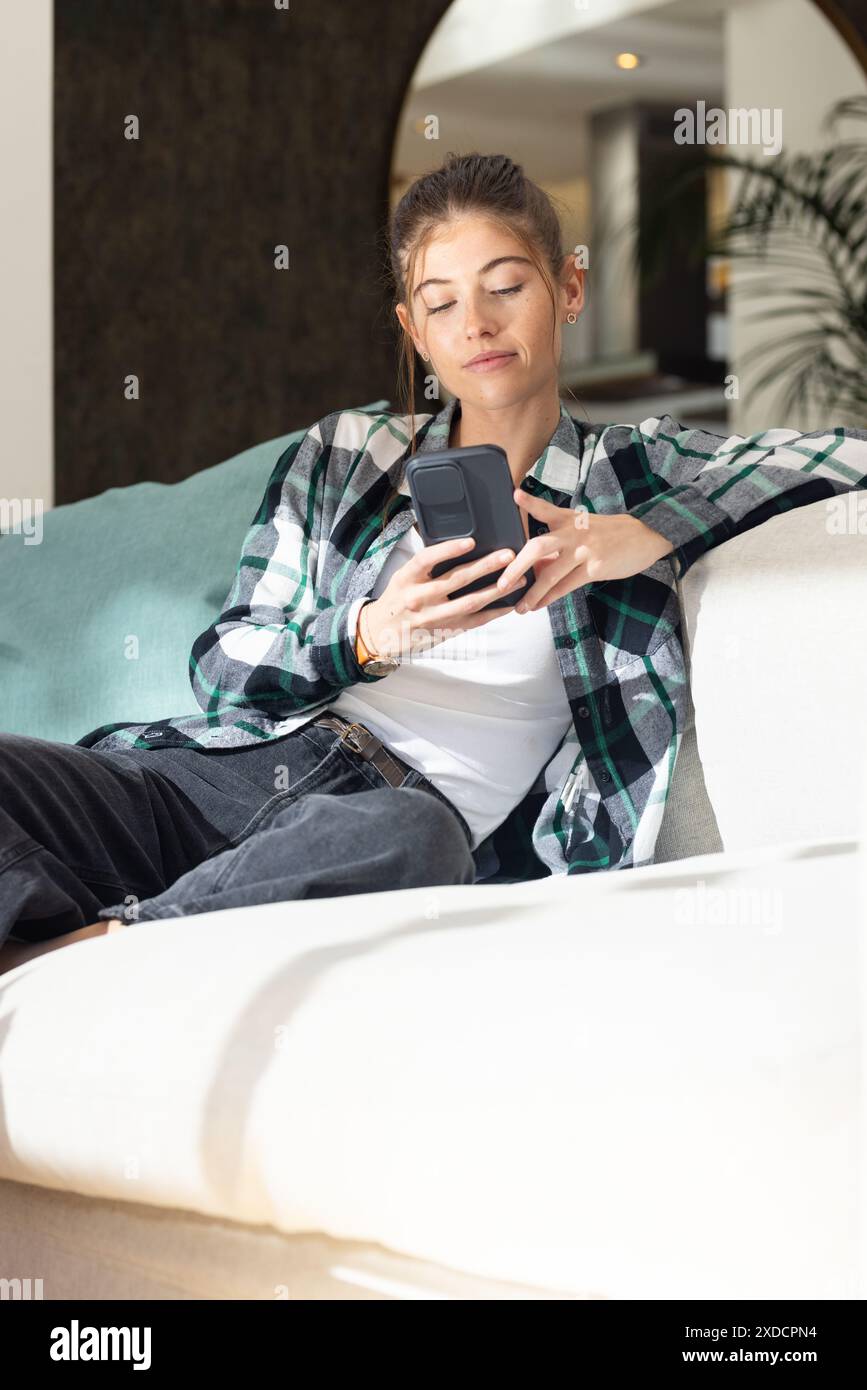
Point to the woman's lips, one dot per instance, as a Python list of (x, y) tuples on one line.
[(492, 364)]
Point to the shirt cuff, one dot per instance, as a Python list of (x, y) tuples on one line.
[(687, 518), (334, 645)]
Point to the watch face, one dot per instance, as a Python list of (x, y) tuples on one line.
[(380, 666)]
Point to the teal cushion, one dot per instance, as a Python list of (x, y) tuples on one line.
[(97, 620)]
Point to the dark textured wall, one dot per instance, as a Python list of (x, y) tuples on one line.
[(258, 127)]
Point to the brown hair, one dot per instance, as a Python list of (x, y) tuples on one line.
[(493, 186)]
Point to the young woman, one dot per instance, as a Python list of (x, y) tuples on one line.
[(363, 729)]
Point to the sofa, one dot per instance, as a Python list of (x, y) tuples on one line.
[(641, 1085)]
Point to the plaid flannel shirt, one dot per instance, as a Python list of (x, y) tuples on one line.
[(283, 645)]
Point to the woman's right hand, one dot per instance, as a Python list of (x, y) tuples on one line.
[(414, 612)]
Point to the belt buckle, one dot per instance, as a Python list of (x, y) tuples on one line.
[(352, 733)]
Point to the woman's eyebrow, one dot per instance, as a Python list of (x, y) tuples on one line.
[(498, 260)]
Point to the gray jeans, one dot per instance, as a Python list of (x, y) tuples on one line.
[(169, 832)]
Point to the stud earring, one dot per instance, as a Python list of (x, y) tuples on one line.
[(571, 318)]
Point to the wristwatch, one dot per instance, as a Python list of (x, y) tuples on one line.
[(368, 661)]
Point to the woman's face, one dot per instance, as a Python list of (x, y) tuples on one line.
[(477, 293)]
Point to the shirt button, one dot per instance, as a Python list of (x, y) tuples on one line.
[(583, 712), (605, 777)]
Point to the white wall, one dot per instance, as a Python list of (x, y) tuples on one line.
[(26, 338), (786, 54)]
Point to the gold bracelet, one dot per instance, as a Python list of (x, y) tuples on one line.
[(363, 655)]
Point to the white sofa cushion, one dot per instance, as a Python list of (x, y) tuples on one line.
[(641, 1084), (776, 630)]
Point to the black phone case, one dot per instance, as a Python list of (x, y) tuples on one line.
[(494, 515)]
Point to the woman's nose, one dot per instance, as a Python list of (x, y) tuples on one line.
[(479, 321)]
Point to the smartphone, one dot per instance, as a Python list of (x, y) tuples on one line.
[(468, 492)]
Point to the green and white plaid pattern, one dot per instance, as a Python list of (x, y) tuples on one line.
[(283, 645)]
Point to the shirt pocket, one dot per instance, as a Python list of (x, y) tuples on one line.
[(632, 618)]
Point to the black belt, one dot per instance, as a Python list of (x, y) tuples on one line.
[(361, 740)]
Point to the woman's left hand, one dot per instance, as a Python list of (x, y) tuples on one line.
[(580, 547)]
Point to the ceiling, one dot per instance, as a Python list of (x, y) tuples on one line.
[(505, 76)]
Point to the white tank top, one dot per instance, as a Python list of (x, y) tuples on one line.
[(479, 713)]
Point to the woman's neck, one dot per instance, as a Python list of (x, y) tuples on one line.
[(523, 430)]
